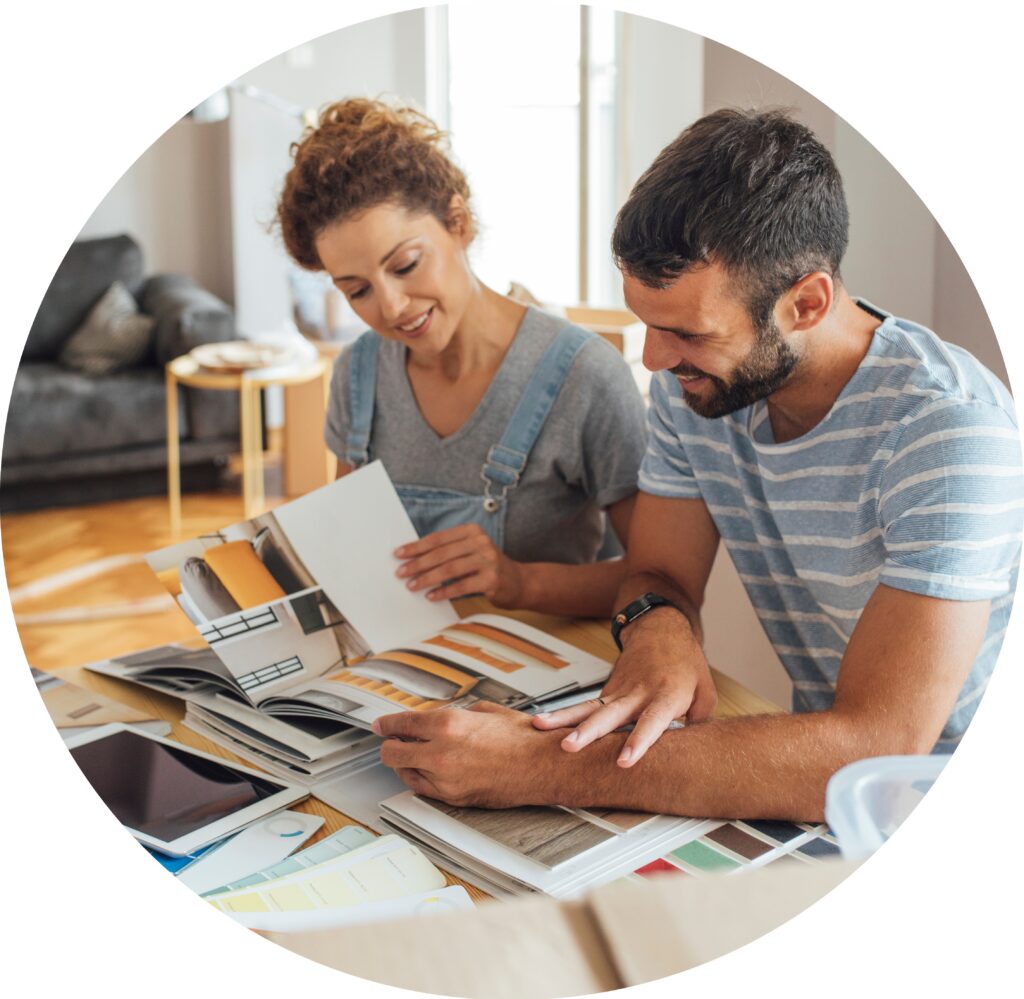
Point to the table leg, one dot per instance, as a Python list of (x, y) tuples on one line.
[(252, 457), (173, 455), (259, 501)]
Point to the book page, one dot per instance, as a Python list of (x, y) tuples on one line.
[(347, 533)]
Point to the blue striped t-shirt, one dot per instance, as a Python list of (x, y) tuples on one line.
[(913, 479)]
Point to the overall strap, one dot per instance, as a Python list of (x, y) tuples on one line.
[(507, 459), (362, 389)]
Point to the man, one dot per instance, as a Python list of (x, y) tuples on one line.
[(863, 475)]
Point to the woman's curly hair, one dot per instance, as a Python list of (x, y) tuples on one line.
[(361, 154)]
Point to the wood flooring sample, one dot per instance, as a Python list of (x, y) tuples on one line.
[(549, 836)]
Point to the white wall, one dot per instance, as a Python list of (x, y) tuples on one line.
[(960, 315), (891, 259), (382, 56), (174, 201), (200, 199), (661, 89)]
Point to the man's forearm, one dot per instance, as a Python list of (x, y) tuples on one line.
[(768, 766)]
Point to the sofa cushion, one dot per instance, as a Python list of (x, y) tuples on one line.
[(55, 411), (186, 314), (114, 336), (88, 269)]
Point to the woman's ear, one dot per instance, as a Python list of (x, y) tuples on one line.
[(460, 222)]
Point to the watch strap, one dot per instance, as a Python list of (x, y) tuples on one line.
[(637, 608)]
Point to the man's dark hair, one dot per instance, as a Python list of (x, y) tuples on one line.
[(752, 190)]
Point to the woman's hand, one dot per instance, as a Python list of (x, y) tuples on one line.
[(458, 561)]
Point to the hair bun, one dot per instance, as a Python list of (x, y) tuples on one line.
[(362, 153)]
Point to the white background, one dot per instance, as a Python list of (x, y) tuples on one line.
[(88, 86)]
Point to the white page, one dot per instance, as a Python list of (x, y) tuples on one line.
[(359, 794), (346, 534)]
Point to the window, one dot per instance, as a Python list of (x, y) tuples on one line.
[(521, 112)]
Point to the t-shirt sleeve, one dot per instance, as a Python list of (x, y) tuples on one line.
[(336, 421), (612, 432), (666, 470), (951, 502)]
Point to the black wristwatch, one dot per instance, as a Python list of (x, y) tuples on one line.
[(636, 609)]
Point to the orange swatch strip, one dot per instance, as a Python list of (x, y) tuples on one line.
[(513, 642), (445, 671), (381, 688), (505, 665)]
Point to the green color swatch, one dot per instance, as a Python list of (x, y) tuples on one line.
[(698, 855)]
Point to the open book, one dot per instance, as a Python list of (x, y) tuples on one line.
[(306, 635)]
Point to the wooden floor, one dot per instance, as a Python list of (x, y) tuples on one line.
[(36, 545)]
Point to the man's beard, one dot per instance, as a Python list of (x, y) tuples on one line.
[(763, 371)]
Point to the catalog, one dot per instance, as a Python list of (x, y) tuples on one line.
[(306, 635)]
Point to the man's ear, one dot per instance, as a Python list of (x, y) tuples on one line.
[(460, 222), (808, 301)]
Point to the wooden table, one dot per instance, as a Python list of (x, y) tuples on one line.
[(248, 384), (590, 635)]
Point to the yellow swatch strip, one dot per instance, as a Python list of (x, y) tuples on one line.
[(376, 872)]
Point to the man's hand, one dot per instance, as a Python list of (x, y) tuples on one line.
[(459, 561), (661, 675), (487, 756)]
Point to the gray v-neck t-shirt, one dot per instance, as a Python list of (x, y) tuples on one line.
[(586, 458)]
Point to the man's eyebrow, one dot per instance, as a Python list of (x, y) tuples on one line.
[(677, 331), (383, 260)]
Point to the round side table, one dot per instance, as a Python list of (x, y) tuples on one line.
[(186, 370)]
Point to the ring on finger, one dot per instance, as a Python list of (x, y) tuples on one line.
[(601, 701)]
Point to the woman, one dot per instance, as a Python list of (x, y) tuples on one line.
[(507, 432)]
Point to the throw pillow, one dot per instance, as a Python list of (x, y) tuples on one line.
[(114, 336)]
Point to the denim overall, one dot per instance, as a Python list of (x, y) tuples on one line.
[(433, 509)]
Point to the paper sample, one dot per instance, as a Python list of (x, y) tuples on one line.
[(387, 868), (345, 840)]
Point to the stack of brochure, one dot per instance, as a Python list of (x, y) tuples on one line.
[(306, 636), (554, 851)]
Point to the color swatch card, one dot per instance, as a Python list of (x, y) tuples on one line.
[(732, 847), (343, 841), (259, 845), (387, 868), (454, 898)]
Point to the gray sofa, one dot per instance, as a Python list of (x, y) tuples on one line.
[(74, 438)]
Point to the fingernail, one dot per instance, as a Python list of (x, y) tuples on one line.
[(400, 551), (573, 737), (625, 757), (402, 570), (544, 715), (375, 727)]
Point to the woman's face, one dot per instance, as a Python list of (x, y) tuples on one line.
[(404, 273)]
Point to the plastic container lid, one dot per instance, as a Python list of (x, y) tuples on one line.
[(867, 801)]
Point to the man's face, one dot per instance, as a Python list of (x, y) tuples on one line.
[(699, 329)]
